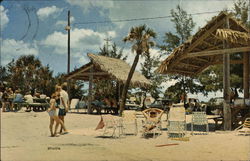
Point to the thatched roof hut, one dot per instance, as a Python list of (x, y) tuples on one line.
[(108, 68), (207, 46), (212, 44)]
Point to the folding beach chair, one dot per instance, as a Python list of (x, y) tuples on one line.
[(128, 120), (244, 129), (152, 124), (110, 124), (199, 119), (177, 121)]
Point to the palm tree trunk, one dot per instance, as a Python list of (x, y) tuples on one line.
[(125, 88)]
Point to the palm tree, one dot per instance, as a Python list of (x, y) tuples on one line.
[(140, 37)]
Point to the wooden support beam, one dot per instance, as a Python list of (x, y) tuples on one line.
[(200, 39), (200, 70), (181, 71), (195, 58), (246, 68), (231, 62), (95, 74), (117, 91), (226, 92), (226, 87), (81, 71), (204, 36), (90, 90), (81, 78), (189, 64), (201, 59), (208, 44), (218, 52), (214, 47)]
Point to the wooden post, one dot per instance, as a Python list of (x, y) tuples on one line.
[(246, 69), (90, 90), (117, 91), (226, 87)]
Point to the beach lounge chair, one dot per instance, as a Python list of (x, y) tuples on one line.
[(74, 104), (244, 129), (177, 121), (128, 120), (110, 125), (199, 119), (152, 124)]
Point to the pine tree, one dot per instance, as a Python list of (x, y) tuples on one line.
[(184, 25), (148, 67)]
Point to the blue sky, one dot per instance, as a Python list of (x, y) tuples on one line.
[(37, 27)]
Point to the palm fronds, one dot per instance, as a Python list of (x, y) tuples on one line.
[(233, 36)]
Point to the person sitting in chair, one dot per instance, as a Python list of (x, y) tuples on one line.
[(18, 98), (153, 117)]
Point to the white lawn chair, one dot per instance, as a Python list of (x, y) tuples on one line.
[(111, 125), (177, 121), (244, 129), (128, 119), (199, 119)]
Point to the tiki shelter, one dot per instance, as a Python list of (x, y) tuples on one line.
[(106, 68), (211, 45)]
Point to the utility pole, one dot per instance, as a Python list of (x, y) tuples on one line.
[(107, 43), (68, 69), (68, 29)]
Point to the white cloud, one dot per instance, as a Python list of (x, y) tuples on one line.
[(112, 34), (12, 49), (82, 41), (86, 5), (44, 13), (3, 17), (119, 10)]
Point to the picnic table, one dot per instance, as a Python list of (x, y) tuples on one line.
[(98, 106), (216, 119), (238, 114), (39, 104)]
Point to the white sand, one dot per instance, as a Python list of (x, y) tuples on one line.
[(25, 137)]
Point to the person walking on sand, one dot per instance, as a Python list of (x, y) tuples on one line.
[(5, 102), (53, 113), (64, 103)]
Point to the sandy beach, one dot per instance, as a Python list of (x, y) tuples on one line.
[(25, 137)]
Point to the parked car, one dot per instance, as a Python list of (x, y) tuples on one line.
[(131, 105), (163, 104), (216, 103)]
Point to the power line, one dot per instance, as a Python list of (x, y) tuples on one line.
[(139, 19)]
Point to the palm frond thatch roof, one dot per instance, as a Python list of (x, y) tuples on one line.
[(207, 46), (108, 68), (233, 36)]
